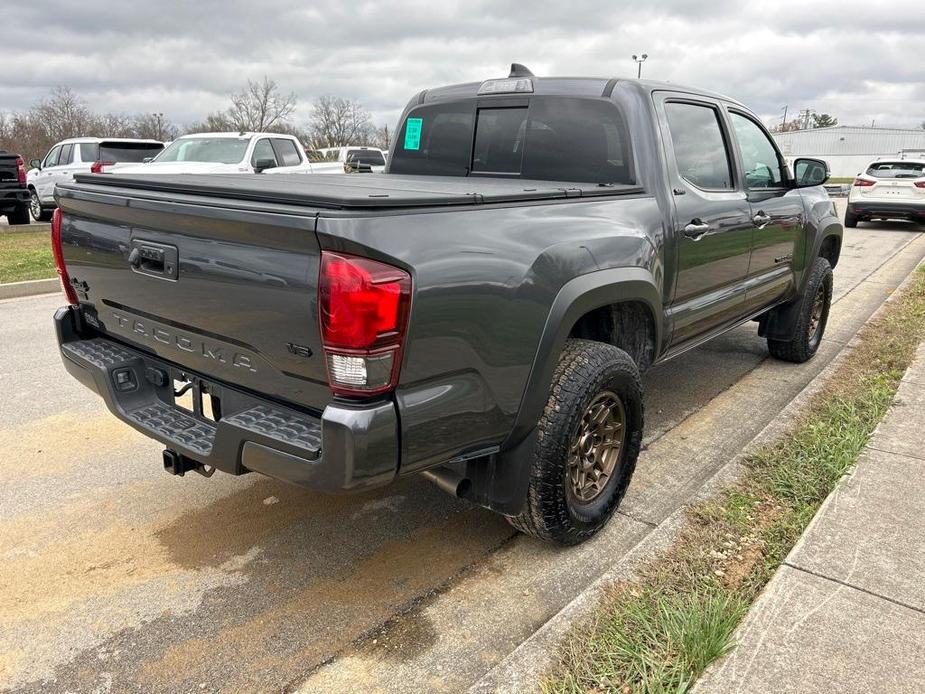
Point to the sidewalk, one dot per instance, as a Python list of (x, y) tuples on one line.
[(846, 611)]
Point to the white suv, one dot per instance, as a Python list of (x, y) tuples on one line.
[(81, 155), (243, 152), (889, 189)]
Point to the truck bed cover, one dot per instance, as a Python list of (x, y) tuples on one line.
[(357, 191)]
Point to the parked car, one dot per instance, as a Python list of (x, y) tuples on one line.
[(480, 313), (354, 156), (888, 189), (14, 196), (237, 152), (81, 155)]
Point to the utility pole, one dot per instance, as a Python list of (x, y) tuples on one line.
[(783, 120), (639, 61), (158, 126)]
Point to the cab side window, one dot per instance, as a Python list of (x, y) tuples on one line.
[(760, 162), (288, 154), (51, 159), (699, 146), (66, 155), (263, 150)]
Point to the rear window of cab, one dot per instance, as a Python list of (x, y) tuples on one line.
[(544, 138)]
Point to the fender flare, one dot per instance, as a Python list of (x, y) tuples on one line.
[(499, 482), (778, 324)]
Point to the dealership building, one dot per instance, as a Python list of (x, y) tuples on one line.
[(848, 150)]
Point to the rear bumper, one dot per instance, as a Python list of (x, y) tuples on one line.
[(13, 197), (895, 210), (347, 448)]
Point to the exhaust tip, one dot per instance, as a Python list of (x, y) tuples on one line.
[(449, 481)]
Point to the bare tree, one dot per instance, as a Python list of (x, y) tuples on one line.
[(154, 126), (337, 122), (64, 114), (381, 137), (260, 106)]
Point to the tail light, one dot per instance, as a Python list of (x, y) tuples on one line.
[(69, 292), (863, 183), (364, 306), (919, 184), (21, 170), (97, 166)]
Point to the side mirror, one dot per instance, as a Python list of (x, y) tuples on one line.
[(808, 173), (263, 164), (35, 164)]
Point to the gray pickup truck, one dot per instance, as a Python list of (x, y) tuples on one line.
[(479, 314)]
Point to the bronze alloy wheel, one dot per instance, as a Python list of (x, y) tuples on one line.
[(815, 318), (595, 451)]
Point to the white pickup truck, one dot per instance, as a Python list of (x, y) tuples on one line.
[(235, 152)]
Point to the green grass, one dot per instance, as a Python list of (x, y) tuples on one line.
[(840, 179), (25, 255), (658, 633)]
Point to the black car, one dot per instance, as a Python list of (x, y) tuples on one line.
[(14, 196)]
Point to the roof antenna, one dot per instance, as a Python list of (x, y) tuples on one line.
[(518, 70)]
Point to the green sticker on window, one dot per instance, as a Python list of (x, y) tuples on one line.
[(413, 133)]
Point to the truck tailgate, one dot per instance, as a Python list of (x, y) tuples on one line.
[(228, 293)]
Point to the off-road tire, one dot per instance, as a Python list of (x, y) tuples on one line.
[(804, 344), (851, 220), (551, 511), (19, 216)]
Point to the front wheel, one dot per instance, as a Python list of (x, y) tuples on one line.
[(587, 444), (38, 212), (812, 317)]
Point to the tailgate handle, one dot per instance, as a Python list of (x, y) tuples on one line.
[(155, 259)]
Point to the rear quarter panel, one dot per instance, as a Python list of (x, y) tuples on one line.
[(484, 281)]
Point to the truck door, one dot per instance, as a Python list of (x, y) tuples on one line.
[(777, 215), (712, 222), (45, 180)]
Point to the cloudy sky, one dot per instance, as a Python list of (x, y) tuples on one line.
[(859, 60)]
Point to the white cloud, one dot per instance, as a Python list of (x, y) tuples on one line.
[(851, 59)]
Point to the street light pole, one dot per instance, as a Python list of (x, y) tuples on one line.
[(640, 59)]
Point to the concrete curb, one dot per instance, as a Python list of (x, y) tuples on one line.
[(13, 290), (522, 670)]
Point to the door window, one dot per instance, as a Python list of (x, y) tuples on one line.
[(263, 150), (699, 146), (51, 159), (762, 166), (286, 149), (66, 157)]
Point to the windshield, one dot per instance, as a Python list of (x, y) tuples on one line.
[(547, 138), (216, 150), (896, 169)]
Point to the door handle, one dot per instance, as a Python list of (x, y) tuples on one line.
[(761, 219), (695, 229)]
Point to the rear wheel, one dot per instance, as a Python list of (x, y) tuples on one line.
[(19, 216), (588, 441), (812, 318), (851, 220)]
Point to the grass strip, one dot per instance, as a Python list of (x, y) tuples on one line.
[(659, 632), (25, 255)]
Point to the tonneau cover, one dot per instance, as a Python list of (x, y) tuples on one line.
[(346, 191)]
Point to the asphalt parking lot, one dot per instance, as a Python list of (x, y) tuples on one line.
[(119, 577)]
